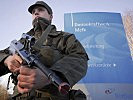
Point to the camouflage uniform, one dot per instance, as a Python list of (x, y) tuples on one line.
[(63, 54)]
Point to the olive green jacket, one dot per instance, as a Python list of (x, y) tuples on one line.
[(62, 53)]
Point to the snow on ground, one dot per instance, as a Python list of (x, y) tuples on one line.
[(4, 82)]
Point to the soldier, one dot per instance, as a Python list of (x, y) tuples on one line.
[(61, 52)]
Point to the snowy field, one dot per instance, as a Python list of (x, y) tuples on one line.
[(4, 82)]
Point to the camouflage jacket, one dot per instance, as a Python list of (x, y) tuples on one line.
[(62, 53)]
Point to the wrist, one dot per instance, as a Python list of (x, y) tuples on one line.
[(5, 61)]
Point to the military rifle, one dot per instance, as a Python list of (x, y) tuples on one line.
[(32, 60)]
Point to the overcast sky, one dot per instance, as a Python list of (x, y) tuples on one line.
[(16, 20)]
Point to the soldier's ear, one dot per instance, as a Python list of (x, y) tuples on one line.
[(51, 17)]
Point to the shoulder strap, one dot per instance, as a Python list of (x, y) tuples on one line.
[(40, 41)]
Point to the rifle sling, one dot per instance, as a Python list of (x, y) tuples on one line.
[(42, 39)]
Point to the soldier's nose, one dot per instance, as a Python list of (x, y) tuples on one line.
[(36, 13)]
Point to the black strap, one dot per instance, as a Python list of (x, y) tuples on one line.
[(42, 39)]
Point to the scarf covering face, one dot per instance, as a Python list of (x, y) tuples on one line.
[(39, 25)]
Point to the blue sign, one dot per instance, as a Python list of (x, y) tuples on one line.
[(102, 35)]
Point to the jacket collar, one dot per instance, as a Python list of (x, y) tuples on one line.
[(53, 32)]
